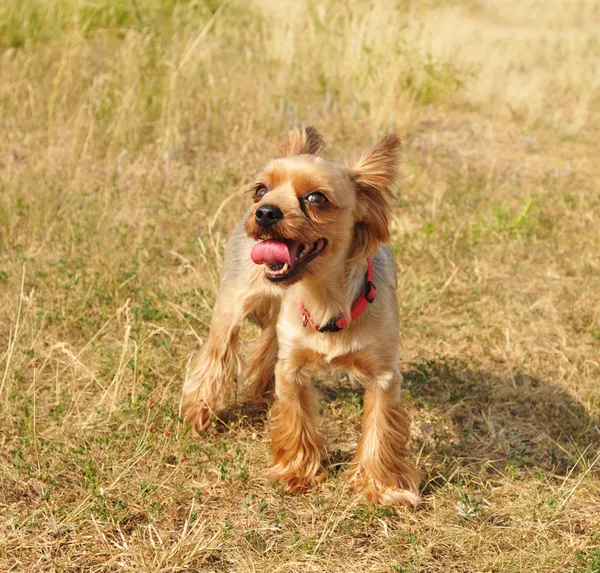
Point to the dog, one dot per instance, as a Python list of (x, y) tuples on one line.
[(309, 264)]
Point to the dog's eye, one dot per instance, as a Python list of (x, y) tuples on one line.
[(317, 199), (260, 192)]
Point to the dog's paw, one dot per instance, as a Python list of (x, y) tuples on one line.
[(375, 492), (294, 481), (199, 414)]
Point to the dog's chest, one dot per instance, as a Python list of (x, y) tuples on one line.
[(334, 350), (332, 346)]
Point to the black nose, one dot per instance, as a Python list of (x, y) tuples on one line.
[(267, 215)]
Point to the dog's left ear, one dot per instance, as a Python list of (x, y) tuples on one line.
[(300, 141), (374, 174)]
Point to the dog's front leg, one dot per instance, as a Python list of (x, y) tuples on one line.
[(213, 369), (381, 471), (296, 446)]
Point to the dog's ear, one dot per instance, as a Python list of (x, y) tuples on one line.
[(374, 174), (301, 140)]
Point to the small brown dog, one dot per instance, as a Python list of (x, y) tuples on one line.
[(309, 265)]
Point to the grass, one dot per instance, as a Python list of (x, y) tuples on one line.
[(128, 128)]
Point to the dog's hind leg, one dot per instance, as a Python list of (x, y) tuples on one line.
[(213, 371), (263, 358)]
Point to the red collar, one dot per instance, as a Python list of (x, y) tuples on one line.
[(360, 304)]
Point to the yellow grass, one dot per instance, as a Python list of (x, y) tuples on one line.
[(126, 129)]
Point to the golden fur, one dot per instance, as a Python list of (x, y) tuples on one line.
[(354, 222)]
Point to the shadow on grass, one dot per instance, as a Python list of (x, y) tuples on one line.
[(469, 422), (252, 413), (475, 421)]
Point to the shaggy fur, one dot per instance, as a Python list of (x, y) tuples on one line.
[(354, 222)]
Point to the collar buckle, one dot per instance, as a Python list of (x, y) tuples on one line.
[(331, 326), (370, 292)]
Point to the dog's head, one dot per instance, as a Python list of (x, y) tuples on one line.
[(310, 214)]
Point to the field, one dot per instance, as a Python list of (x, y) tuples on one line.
[(129, 131)]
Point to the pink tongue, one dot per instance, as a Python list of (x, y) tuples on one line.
[(273, 252)]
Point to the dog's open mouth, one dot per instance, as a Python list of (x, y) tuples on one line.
[(284, 258)]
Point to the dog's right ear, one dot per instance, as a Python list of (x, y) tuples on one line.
[(301, 140)]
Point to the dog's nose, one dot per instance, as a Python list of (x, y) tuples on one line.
[(267, 215)]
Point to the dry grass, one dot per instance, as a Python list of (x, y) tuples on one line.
[(125, 128)]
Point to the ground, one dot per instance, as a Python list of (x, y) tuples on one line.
[(130, 131)]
